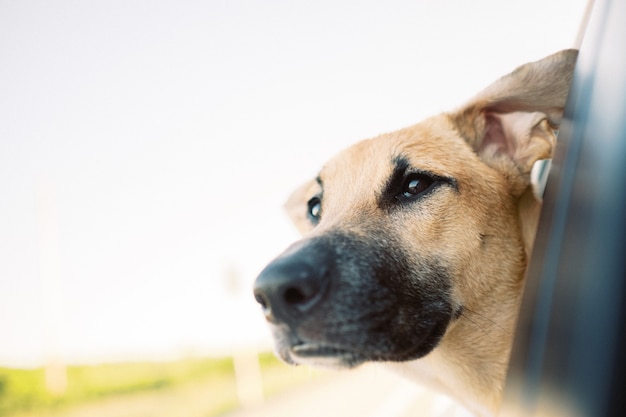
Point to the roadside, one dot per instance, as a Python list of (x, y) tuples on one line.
[(365, 392), (194, 399), (369, 391)]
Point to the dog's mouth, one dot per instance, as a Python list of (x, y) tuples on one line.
[(326, 353), (308, 350), (324, 356)]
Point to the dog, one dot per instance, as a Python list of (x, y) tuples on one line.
[(416, 242)]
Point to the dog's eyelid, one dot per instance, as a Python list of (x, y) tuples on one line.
[(439, 178), (403, 168), (436, 178)]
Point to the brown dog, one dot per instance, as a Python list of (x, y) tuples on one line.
[(417, 241)]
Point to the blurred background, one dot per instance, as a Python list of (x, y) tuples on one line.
[(147, 147)]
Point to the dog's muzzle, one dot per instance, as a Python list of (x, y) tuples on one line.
[(339, 300)]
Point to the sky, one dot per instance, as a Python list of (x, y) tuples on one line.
[(147, 148)]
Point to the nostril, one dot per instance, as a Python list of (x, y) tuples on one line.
[(261, 300), (293, 296)]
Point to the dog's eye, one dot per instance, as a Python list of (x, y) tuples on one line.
[(414, 185), (314, 209)]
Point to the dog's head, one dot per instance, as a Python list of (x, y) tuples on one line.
[(410, 233)]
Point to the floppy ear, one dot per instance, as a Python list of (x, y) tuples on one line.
[(511, 124), (297, 206)]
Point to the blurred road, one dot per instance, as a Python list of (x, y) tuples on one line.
[(364, 392)]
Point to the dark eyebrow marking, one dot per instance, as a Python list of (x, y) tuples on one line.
[(401, 165), (319, 194)]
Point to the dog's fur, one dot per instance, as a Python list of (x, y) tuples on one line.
[(417, 241)]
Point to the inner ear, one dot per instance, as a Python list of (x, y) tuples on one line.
[(521, 137), (495, 137)]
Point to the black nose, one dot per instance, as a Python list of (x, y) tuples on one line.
[(292, 284)]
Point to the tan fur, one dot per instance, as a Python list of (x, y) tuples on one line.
[(483, 233)]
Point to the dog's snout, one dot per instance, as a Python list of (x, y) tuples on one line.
[(290, 286)]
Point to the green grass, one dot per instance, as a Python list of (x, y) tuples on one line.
[(23, 392), (22, 389)]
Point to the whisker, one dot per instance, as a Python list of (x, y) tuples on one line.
[(481, 316), (473, 322)]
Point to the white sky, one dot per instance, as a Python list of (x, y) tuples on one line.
[(147, 146)]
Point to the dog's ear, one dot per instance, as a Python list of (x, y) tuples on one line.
[(511, 124), (298, 203)]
